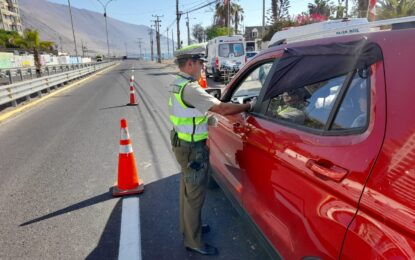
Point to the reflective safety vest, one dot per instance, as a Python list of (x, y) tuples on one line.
[(189, 123)]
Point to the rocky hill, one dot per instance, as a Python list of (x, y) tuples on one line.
[(53, 23)]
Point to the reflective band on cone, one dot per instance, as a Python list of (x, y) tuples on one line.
[(128, 181), (132, 94)]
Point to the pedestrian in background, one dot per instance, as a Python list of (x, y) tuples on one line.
[(188, 107)]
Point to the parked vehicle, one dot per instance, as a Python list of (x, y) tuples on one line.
[(317, 30), (250, 55), (224, 50), (98, 58), (323, 167)]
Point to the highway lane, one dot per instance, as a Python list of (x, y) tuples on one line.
[(59, 159)]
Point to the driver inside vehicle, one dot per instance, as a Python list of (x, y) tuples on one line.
[(293, 106)]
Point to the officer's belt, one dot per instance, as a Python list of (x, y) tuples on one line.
[(183, 143)]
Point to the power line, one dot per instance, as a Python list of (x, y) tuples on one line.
[(203, 6)]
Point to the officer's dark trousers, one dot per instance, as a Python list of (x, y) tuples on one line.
[(193, 160)]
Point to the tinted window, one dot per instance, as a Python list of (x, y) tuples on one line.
[(353, 111), (250, 54), (309, 106), (231, 50)]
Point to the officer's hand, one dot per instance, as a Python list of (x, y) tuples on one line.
[(212, 121)]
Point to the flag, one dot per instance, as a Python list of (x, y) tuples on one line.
[(372, 10)]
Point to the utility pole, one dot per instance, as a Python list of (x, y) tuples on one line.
[(139, 46), (157, 25), (178, 14), (172, 41), (60, 41), (73, 31), (263, 18), (82, 44), (229, 17), (151, 42), (126, 51), (188, 29), (168, 49), (347, 8), (106, 24)]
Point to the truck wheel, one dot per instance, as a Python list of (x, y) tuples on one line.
[(216, 76)]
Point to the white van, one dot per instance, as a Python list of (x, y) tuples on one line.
[(320, 30), (224, 51)]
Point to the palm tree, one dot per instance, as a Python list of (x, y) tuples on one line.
[(362, 6), (279, 9), (321, 7), (31, 42), (221, 14), (238, 16), (395, 8)]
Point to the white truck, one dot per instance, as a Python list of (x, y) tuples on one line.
[(330, 28), (224, 52)]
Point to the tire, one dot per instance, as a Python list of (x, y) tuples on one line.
[(216, 75)]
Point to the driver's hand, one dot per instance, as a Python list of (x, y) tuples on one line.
[(252, 103)]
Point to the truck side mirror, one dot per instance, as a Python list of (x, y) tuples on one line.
[(216, 92)]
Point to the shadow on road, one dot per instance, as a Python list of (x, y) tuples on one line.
[(160, 235), (108, 245), (126, 105), (83, 204), (161, 73)]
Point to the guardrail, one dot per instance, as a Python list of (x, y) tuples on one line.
[(13, 92), (11, 75)]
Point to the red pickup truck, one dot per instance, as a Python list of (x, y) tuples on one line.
[(324, 166)]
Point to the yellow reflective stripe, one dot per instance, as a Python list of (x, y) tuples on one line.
[(180, 100)]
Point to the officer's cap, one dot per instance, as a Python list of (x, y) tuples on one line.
[(194, 52)]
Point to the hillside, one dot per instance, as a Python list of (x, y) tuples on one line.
[(53, 23)]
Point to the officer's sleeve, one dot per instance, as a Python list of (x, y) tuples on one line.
[(196, 96)]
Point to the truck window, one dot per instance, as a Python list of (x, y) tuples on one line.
[(231, 49)]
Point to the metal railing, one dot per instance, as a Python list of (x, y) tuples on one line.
[(13, 92), (12, 75)]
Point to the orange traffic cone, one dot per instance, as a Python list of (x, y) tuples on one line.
[(132, 94), (128, 181), (202, 79)]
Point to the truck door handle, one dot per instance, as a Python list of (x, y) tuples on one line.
[(327, 170)]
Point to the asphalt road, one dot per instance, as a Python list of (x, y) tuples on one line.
[(59, 159)]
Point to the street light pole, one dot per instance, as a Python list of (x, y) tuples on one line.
[(73, 31), (106, 25)]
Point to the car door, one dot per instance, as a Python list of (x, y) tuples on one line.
[(305, 170), (227, 144), (384, 227)]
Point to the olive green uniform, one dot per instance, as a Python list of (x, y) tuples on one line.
[(192, 156)]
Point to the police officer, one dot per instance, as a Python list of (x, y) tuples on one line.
[(188, 107)]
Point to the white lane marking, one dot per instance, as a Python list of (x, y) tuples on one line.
[(130, 237)]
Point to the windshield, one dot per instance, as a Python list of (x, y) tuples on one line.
[(227, 50)]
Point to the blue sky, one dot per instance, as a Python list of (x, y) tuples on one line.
[(140, 12)]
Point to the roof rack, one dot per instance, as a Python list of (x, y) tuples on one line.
[(335, 28)]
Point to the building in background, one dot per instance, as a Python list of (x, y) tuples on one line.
[(10, 16)]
